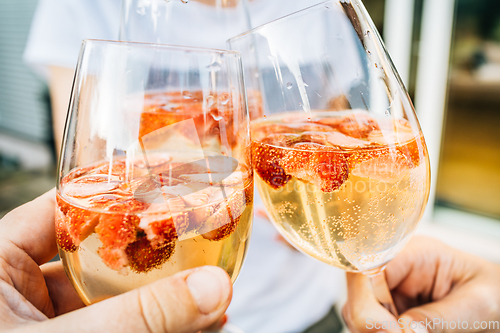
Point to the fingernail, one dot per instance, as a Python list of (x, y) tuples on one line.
[(209, 287), (223, 321)]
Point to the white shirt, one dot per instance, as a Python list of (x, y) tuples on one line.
[(279, 290)]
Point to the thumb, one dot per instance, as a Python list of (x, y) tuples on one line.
[(363, 313), (185, 302)]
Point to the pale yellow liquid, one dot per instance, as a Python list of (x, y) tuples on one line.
[(361, 226), (94, 281)]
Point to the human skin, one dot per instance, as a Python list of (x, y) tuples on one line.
[(37, 296), (429, 280)]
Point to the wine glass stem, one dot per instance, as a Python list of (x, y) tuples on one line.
[(381, 289)]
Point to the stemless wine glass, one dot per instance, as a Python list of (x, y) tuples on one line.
[(340, 160), (155, 173)]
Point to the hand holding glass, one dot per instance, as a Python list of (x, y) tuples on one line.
[(340, 160)]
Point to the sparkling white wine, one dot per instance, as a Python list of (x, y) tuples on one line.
[(347, 189), (122, 228)]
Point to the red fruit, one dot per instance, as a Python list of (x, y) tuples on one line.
[(161, 232), (142, 257), (118, 168), (63, 238), (80, 223), (332, 122), (76, 174), (414, 150), (266, 163), (117, 230), (128, 206), (260, 131), (103, 201), (83, 189), (113, 258), (326, 168), (226, 217), (63, 205), (357, 126)]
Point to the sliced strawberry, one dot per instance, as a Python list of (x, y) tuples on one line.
[(414, 150), (80, 223), (129, 206), (154, 118), (64, 239), (164, 222), (266, 163), (332, 122), (161, 232), (118, 168), (113, 258), (86, 190), (261, 131), (63, 205), (76, 174), (226, 218), (327, 169), (357, 125), (143, 257), (104, 201), (117, 230)]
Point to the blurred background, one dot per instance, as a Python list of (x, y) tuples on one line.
[(447, 53)]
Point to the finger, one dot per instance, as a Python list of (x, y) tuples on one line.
[(362, 312), (280, 239), (464, 308), (63, 295), (418, 262), (30, 227), (186, 302), (262, 214), (217, 326)]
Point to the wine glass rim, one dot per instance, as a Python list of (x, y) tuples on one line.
[(283, 18), (171, 47)]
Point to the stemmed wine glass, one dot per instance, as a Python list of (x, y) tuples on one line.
[(340, 161), (155, 174)]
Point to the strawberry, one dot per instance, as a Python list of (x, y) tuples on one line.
[(161, 232), (80, 223), (142, 257), (226, 217), (113, 258), (103, 201), (414, 150), (117, 230), (266, 163), (129, 206), (357, 125), (323, 167), (63, 238), (118, 168)]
